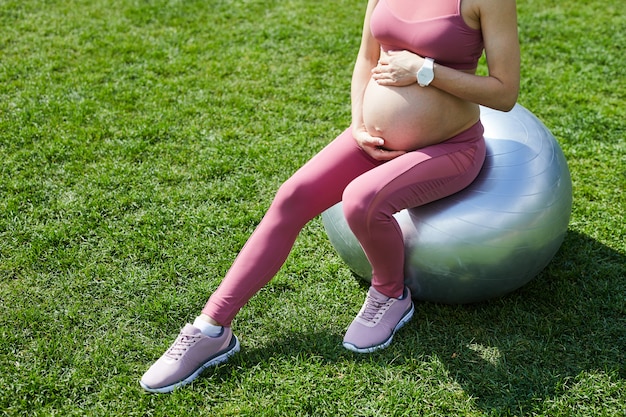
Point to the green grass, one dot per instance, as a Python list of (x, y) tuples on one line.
[(141, 142)]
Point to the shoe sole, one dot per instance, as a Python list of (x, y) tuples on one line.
[(404, 320), (221, 357)]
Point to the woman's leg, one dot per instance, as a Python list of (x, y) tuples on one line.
[(312, 189), (411, 180)]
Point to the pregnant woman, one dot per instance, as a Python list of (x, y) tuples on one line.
[(415, 137)]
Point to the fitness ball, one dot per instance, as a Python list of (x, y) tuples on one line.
[(492, 237)]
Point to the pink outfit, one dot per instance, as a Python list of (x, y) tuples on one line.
[(371, 191), (433, 29)]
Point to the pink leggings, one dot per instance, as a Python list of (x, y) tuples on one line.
[(371, 191)]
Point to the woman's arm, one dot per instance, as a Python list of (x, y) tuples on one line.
[(367, 59), (498, 90)]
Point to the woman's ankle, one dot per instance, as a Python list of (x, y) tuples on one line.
[(209, 319), (208, 329)]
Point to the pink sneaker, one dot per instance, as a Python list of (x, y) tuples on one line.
[(379, 319), (189, 355)]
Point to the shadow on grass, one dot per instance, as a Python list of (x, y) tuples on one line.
[(514, 353), (542, 340)]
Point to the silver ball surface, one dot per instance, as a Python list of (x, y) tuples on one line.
[(492, 237)]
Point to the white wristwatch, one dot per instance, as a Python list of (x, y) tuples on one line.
[(426, 74)]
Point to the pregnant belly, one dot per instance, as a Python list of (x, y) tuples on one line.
[(412, 117)]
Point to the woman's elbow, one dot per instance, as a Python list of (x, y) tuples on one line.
[(508, 105), (507, 100)]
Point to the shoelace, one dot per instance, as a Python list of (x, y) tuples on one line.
[(181, 345), (373, 308)]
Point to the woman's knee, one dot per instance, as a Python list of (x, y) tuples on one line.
[(356, 204), (304, 198), (292, 195)]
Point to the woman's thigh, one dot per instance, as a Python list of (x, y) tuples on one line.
[(419, 177), (321, 181)]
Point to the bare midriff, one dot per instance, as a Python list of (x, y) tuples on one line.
[(412, 117)]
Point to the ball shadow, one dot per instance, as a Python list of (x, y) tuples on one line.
[(513, 352)]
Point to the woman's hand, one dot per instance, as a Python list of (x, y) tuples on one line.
[(374, 146), (397, 68)]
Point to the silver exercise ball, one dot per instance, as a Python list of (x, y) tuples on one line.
[(492, 237)]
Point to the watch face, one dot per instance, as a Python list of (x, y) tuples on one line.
[(425, 76)]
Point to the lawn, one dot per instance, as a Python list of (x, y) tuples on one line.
[(141, 142)]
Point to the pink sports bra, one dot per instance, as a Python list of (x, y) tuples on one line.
[(433, 29)]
